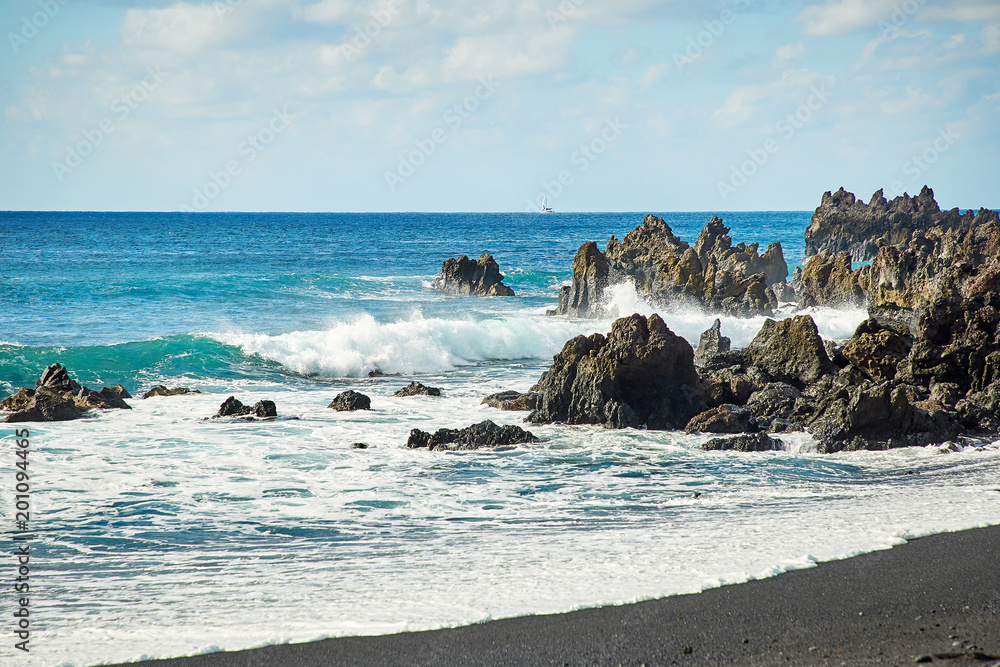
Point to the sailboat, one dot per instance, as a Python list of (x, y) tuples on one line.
[(545, 209)]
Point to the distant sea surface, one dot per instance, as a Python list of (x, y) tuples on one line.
[(160, 533)]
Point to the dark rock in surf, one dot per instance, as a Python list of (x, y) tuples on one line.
[(478, 436), (641, 373), (468, 277), (417, 389), (349, 401), (232, 407), (752, 442), (57, 397), (512, 400), (724, 418), (160, 390), (790, 350), (359, 445)]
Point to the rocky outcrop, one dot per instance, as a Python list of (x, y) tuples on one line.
[(591, 270), (349, 401), (161, 390), (482, 435), (713, 274), (417, 389), (725, 418), (232, 407), (841, 223), (512, 400), (790, 350), (57, 397), (751, 442), (918, 254), (641, 373), (468, 277), (711, 344)]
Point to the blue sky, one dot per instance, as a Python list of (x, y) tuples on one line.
[(424, 105)]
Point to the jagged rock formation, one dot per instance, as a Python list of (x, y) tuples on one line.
[(57, 397), (641, 373), (711, 344), (232, 407), (477, 436), (468, 277), (843, 224), (349, 401), (751, 442), (161, 390), (713, 274), (959, 258), (417, 389), (512, 400)]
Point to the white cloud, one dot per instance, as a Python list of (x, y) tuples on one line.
[(974, 10), (508, 55), (839, 16), (326, 11), (184, 28), (790, 90), (653, 74), (955, 41), (991, 38), (791, 51)]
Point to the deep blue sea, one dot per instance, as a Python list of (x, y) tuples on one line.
[(160, 533)]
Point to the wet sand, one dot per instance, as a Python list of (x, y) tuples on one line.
[(935, 600)]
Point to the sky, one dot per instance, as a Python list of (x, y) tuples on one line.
[(452, 105)]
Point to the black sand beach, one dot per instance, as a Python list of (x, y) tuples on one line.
[(935, 600)]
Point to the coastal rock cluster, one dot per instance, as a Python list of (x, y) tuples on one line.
[(713, 274), (469, 277), (924, 368), (477, 436), (58, 397)]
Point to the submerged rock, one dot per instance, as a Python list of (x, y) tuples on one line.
[(726, 418), (512, 400), (468, 277), (477, 436), (57, 397), (161, 390), (417, 389), (640, 374), (349, 401)]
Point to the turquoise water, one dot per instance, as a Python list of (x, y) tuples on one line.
[(163, 534)]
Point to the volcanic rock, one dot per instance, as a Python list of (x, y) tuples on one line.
[(468, 277), (161, 390), (790, 350), (512, 400), (751, 442), (724, 418), (232, 407), (417, 389), (477, 436), (640, 373), (877, 350), (57, 397), (349, 401), (714, 274), (711, 344)]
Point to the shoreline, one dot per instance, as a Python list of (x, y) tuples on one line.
[(936, 599)]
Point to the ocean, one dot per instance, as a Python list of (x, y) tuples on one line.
[(158, 533)]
